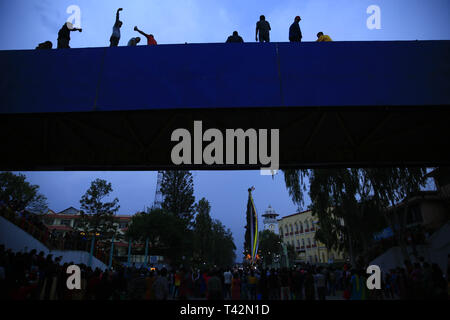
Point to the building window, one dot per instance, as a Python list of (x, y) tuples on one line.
[(303, 242), (306, 224), (301, 227), (65, 222), (123, 225)]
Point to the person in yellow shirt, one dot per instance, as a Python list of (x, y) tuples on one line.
[(323, 38)]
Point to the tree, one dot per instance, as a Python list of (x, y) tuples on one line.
[(166, 233), (269, 246), (97, 217), (222, 244), (177, 189), (20, 195), (203, 231), (350, 202)]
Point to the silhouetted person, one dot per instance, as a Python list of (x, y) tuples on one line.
[(235, 38), (323, 38), (150, 39), (133, 42), (64, 35), (45, 45), (263, 27), (115, 37), (295, 34)]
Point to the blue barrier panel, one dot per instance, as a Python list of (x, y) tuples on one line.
[(226, 75), (49, 80), (365, 73), (189, 76)]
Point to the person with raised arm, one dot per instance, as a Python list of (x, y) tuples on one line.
[(115, 37), (64, 35), (150, 39)]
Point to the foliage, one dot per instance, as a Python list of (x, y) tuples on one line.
[(177, 189), (97, 216), (19, 194), (269, 246), (203, 231), (352, 204), (208, 242), (164, 230)]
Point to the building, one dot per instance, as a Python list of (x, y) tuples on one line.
[(270, 220), (299, 230), (68, 220)]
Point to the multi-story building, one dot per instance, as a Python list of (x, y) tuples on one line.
[(68, 220), (299, 230)]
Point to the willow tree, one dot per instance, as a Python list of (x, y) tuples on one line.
[(349, 202)]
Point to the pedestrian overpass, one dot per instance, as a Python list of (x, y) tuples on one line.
[(336, 104)]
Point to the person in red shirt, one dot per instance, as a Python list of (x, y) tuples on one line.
[(150, 39)]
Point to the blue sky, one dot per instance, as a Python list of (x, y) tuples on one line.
[(25, 23)]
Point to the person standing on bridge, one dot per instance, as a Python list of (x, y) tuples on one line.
[(295, 34), (263, 27), (64, 35), (236, 38), (115, 37), (323, 38), (133, 42), (150, 39)]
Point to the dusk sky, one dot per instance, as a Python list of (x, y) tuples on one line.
[(25, 23)]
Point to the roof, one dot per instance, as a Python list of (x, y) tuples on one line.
[(294, 214), (69, 210)]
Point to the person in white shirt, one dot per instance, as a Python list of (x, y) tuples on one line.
[(227, 278)]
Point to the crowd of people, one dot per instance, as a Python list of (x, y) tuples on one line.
[(27, 221), (32, 223), (34, 276), (262, 34)]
